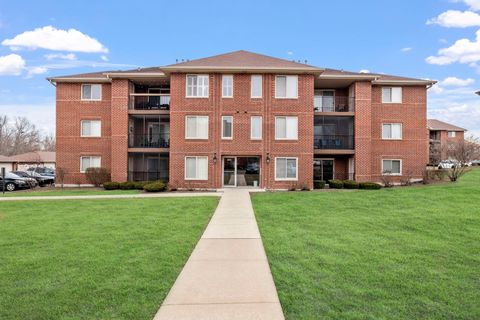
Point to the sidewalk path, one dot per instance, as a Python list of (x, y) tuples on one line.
[(227, 276), (116, 196)]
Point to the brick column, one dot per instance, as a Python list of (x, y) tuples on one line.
[(363, 131), (119, 165)]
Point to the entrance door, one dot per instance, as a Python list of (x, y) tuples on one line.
[(323, 169), (229, 172)]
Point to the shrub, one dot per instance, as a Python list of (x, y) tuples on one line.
[(335, 184), (140, 184), (127, 185), (387, 179), (155, 187), (369, 186), (440, 174), (111, 185), (319, 184), (426, 176), (97, 176), (350, 184)]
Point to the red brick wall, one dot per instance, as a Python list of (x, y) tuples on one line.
[(445, 140), (70, 110), (363, 131), (119, 116)]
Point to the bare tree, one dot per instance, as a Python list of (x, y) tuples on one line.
[(462, 152), (48, 143), (5, 135), (60, 175)]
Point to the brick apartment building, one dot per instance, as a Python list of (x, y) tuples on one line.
[(440, 135), (241, 119)]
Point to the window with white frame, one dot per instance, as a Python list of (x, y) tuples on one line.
[(89, 162), (286, 128), (286, 87), (196, 127), (197, 86), (392, 95), (286, 168), (256, 128), (91, 128), (227, 127), (196, 168), (392, 167), (256, 86), (451, 134), (92, 92), (392, 131), (227, 86)]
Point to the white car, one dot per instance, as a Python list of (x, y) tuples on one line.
[(448, 164)]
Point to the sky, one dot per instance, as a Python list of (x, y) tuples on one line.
[(428, 39)]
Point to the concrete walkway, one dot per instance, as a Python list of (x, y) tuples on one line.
[(116, 196), (227, 276)]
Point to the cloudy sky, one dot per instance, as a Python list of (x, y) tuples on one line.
[(434, 39)]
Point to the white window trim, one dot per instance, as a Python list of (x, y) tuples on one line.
[(251, 86), (286, 82), (185, 169), (196, 138), (251, 128), (90, 84), (454, 134), (390, 123), (286, 179), (186, 86), (81, 128), (275, 124), (227, 75), (81, 158), (393, 174), (227, 138), (391, 95)]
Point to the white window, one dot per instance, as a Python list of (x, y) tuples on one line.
[(256, 86), (256, 128), (392, 131), (286, 128), (91, 128), (227, 127), (286, 168), (197, 86), (196, 168), (392, 167), (392, 95), (196, 127), (286, 87), (451, 134), (92, 92), (227, 86), (89, 162)]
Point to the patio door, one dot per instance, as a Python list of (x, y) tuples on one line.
[(230, 172), (153, 168), (323, 169)]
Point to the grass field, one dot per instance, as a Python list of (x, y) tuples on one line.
[(402, 253), (38, 192), (95, 259)]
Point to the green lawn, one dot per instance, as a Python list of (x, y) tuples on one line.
[(95, 259), (65, 192), (402, 253)]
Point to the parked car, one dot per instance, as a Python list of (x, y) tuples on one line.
[(476, 163), (42, 180), (13, 182), (31, 180), (44, 171), (448, 164)]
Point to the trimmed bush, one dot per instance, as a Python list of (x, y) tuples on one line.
[(127, 185), (140, 184), (369, 186), (97, 176), (111, 185), (350, 184), (155, 187), (335, 184), (319, 184)]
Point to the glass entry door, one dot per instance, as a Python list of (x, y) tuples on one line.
[(229, 171), (323, 169)]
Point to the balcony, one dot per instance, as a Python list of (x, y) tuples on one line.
[(333, 103), (149, 131), (334, 142), (149, 101), (145, 166), (148, 140)]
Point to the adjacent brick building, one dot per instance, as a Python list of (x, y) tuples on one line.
[(440, 135), (241, 119)]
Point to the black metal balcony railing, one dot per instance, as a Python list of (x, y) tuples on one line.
[(333, 104), (148, 141), (150, 101), (340, 142), (160, 175)]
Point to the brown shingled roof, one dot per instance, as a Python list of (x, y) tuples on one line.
[(36, 156), (434, 124)]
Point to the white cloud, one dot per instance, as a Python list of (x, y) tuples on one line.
[(472, 4), (36, 70), (64, 56), (11, 65), (104, 58), (406, 49), (290, 53), (364, 71), (462, 51), (456, 19), (51, 38), (457, 82)]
